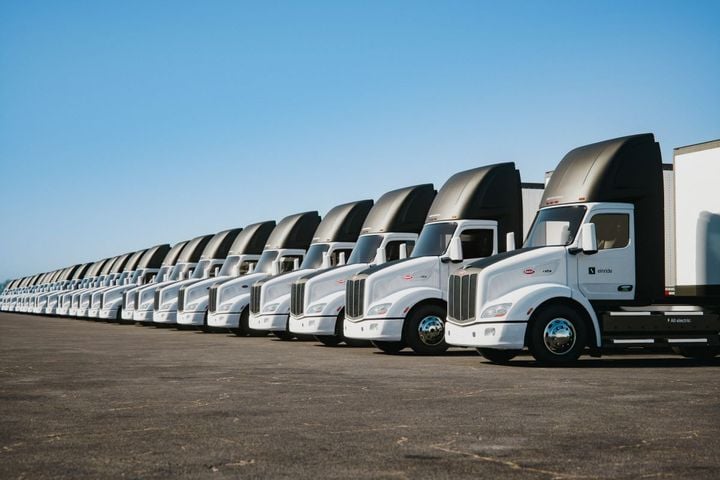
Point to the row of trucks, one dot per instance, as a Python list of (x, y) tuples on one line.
[(620, 252)]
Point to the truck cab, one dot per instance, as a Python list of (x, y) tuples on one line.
[(229, 300), (46, 302), (70, 301), (211, 260), (241, 259), (317, 299), (332, 243), (131, 295), (114, 274), (148, 296), (591, 275), (107, 303), (120, 279), (404, 303)]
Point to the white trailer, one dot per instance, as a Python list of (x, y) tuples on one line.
[(592, 274)]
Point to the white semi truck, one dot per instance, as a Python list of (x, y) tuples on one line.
[(331, 245), (242, 258), (120, 278), (130, 297), (228, 300), (186, 263), (591, 276), (97, 276), (47, 301), (404, 303), (114, 273), (317, 300), (107, 303), (64, 300), (211, 260)]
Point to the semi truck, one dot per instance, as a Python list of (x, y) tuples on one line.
[(211, 260), (45, 302), (476, 214), (108, 302), (317, 299), (114, 273), (242, 258), (186, 263), (130, 297), (591, 275), (228, 300), (97, 273), (331, 245)]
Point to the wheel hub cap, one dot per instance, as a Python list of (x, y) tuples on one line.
[(559, 336), (431, 330)]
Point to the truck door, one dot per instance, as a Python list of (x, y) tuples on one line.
[(610, 273)]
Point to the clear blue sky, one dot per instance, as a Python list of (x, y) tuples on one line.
[(129, 123)]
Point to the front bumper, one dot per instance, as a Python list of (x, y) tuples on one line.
[(82, 312), (504, 336), (128, 315), (94, 312), (224, 320), (191, 318), (108, 314), (165, 316), (143, 315), (313, 325), (381, 329), (273, 323)]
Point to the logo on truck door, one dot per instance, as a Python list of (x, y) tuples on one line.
[(593, 270)]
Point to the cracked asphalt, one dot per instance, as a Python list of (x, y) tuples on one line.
[(81, 399)]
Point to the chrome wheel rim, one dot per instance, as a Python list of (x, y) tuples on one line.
[(559, 336), (431, 330)]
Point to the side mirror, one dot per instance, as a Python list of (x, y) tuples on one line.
[(455, 250), (588, 241), (341, 258), (325, 260), (403, 251), (251, 268), (380, 256), (510, 242), (275, 269), (296, 263)]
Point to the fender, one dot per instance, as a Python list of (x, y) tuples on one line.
[(404, 300), (198, 306), (334, 303), (239, 303), (527, 299)]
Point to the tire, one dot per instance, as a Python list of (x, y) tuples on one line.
[(285, 335), (698, 353), (558, 335), (501, 357), (243, 329), (328, 340), (390, 348), (424, 330)]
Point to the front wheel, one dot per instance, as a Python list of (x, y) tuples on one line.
[(698, 353), (389, 347), (424, 330), (500, 357), (558, 335)]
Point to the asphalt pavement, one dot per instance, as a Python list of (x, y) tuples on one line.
[(81, 399)]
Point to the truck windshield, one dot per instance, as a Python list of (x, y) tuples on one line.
[(365, 249), (266, 259), (434, 239), (313, 258), (555, 226), (230, 266)]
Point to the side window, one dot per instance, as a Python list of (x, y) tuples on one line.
[(612, 230), (335, 255), (244, 268), (392, 249), (288, 262), (477, 243)]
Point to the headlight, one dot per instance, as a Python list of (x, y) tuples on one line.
[(499, 310), (271, 307), (317, 308), (380, 309), (225, 307)]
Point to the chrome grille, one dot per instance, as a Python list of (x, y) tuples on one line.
[(212, 298), (255, 298), (156, 300), (297, 298), (354, 297), (181, 300), (462, 297)]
